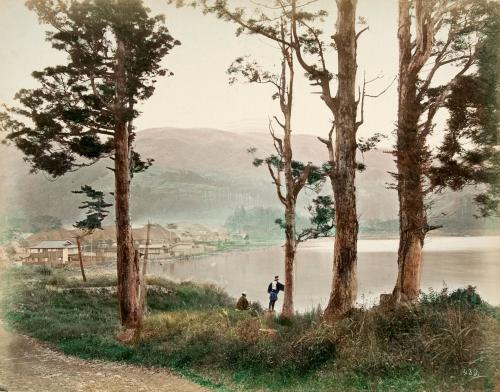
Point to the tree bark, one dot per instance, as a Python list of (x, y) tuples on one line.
[(127, 265), (78, 242), (409, 160), (288, 310), (344, 285)]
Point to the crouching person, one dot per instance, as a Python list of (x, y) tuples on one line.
[(242, 303)]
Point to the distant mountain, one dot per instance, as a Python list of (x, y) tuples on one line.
[(199, 175)]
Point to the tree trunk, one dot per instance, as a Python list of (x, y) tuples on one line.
[(410, 155), (78, 242), (290, 248), (127, 265), (292, 190), (344, 286)]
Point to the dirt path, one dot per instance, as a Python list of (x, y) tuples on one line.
[(26, 365)]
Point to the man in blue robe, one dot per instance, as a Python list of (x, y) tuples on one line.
[(273, 289)]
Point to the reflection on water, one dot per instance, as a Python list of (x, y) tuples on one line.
[(451, 261)]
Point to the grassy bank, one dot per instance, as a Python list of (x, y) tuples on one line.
[(450, 342)]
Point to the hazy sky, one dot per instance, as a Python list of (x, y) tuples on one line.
[(199, 94)]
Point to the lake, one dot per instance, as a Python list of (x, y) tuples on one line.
[(448, 261)]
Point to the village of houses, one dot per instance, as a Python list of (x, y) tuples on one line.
[(175, 241)]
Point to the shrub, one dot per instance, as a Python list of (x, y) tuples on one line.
[(313, 349), (394, 326), (186, 295), (44, 270), (10, 250), (457, 342), (468, 297), (248, 330), (56, 280)]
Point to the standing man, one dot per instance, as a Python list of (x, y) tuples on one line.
[(273, 289)]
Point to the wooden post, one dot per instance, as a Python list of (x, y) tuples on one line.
[(78, 242), (143, 289)]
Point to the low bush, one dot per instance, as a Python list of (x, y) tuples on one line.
[(186, 295), (467, 297), (43, 270)]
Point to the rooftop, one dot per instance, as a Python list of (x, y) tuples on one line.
[(54, 245)]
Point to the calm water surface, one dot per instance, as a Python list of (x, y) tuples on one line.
[(448, 261)]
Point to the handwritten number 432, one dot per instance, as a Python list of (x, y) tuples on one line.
[(470, 372)]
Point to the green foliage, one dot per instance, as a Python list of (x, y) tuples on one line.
[(96, 209), (365, 145), (186, 296), (467, 298), (137, 165), (322, 219), (275, 161), (261, 223), (44, 270), (10, 251), (250, 72)]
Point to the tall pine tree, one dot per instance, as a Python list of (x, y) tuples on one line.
[(83, 109)]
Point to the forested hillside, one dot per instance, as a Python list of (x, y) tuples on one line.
[(205, 175)]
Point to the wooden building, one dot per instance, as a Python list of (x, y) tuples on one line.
[(53, 253)]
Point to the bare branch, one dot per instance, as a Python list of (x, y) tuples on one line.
[(329, 144), (440, 100), (277, 181), (322, 77), (437, 64), (279, 122), (364, 95), (282, 5), (384, 90), (362, 108), (428, 228), (277, 142), (362, 31), (301, 181)]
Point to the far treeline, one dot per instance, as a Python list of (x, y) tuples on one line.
[(83, 111)]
